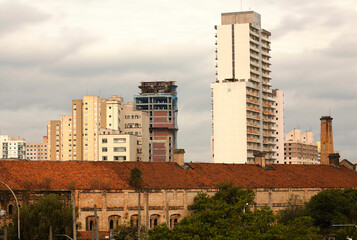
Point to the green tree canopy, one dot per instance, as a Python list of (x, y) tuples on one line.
[(36, 218), (226, 215), (333, 206), (135, 178)]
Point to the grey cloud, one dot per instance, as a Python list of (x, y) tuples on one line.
[(312, 16), (66, 44), (344, 46), (316, 83), (14, 15)]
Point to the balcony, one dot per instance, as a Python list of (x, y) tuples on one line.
[(253, 101), (253, 109), (254, 140), (267, 90), (252, 124), (253, 132), (266, 54), (268, 113), (254, 33), (256, 41), (251, 116), (252, 93), (268, 119)]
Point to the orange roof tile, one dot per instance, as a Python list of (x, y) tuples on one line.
[(66, 175)]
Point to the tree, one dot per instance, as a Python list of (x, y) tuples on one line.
[(136, 181), (294, 210), (127, 231), (332, 206), (226, 216), (37, 218)]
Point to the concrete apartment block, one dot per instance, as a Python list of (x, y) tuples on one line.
[(37, 150), (242, 99), (159, 99), (299, 148), (12, 148), (114, 146)]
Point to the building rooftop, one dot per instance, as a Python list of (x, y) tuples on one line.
[(68, 175)]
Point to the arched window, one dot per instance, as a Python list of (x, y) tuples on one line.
[(113, 221), (111, 224), (174, 218), (11, 209), (134, 220), (154, 220), (90, 223)]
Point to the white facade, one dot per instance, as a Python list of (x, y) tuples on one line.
[(117, 147), (12, 148), (279, 125), (242, 101), (230, 125)]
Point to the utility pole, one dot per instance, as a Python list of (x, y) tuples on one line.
[(74, 217), (5, 227), (139, 219), (96, 223), (147, 212), (50, 237)]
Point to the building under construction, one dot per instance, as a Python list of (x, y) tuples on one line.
[(159, 98)]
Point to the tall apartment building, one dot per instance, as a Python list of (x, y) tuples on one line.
[(278, 96), (76, 136), (37, 150), (159, 99), (136, 122), (299, 148), (242, 101), (12, 148)]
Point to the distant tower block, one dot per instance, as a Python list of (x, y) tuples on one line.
[(326, 139)]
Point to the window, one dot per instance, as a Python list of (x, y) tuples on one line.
[(122, 158), (119, 140), (119, 149), (104, 149), (104, 140), (104, 158)]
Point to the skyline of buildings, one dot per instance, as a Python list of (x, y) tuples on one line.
[(66, 142)]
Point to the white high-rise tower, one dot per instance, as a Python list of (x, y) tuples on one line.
[(243, 105)]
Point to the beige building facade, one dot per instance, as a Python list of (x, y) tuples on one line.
[(76, 136), (37, 150), (136, 122), (114, 146), (242, 101), (299, 148), (278, 96)]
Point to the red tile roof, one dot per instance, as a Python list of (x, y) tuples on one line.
[(66, 175)]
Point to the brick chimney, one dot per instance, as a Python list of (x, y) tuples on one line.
[(326, 139), (334, 159), (179, 156), (259, 158)]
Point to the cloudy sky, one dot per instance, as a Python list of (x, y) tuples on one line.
[(54, 51)]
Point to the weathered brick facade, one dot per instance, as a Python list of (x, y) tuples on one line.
[(167, 189)]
